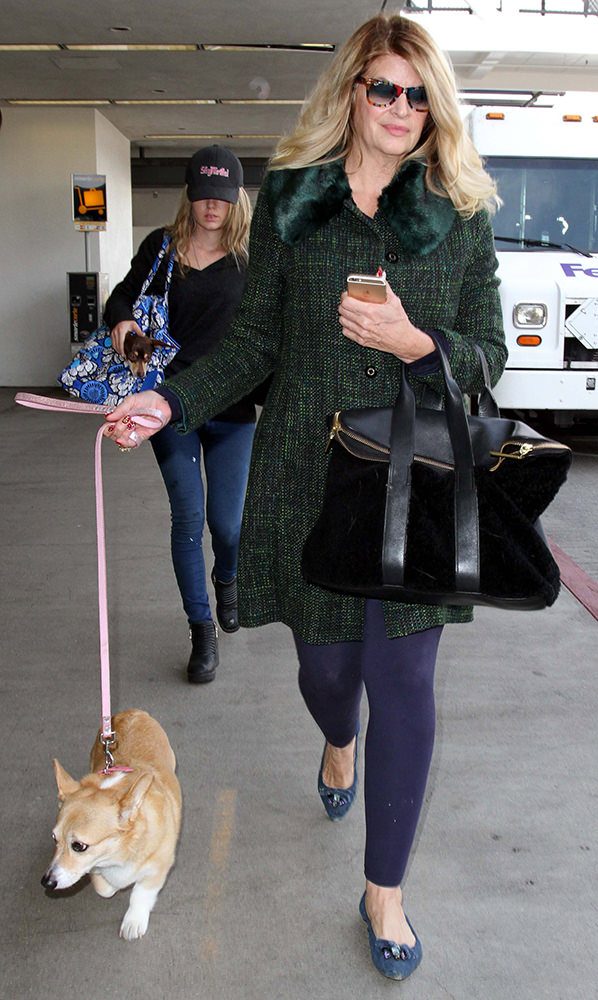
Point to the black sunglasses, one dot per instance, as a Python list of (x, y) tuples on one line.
[(382, 93)]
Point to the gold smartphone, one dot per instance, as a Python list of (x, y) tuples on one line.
[(367, 287)]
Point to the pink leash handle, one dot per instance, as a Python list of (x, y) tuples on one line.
[(147, 418)]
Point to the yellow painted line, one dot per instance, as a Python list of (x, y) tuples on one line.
[(222, 832)]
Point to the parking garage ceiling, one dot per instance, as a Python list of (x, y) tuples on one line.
[(236, 71)]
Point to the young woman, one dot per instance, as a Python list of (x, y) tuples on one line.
[(377, 174), (210, 236)]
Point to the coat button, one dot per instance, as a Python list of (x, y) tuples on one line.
[(392, 257), (371, 371)]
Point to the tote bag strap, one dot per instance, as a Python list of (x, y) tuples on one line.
[(487, 405), (402, 449), (155, 267), (398, 488)]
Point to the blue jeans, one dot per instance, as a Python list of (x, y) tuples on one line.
[(226, 452)]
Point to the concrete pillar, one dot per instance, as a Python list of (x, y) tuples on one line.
[(40, 148)]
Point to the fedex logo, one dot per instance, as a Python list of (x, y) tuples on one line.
[(572, 269), (210, 171)]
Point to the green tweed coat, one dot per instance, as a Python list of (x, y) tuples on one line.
[(307, 235)]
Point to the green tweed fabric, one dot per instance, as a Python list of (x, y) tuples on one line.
[(307, 235)]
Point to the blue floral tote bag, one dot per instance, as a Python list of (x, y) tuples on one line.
[(97, 374)]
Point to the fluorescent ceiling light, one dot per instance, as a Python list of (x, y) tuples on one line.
[(152, 101), (63, 103), (159, 101), (29, 48), (507, 97), (482, 94), (183, 135), (188, 135), (165, 47), (303, 47), (123, 47), (255, 100)]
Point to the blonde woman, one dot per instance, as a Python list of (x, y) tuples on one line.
[(378, 175), (210, 238)]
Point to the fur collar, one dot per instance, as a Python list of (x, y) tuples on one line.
[(301, 201)]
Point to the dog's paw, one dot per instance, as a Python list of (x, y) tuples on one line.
[(102, 887), (134, 923)]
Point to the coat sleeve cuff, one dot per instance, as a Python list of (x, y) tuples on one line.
[(430, 363), (173, 401)]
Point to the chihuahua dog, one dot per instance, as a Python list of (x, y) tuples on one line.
[(138, 351), (120, 825)]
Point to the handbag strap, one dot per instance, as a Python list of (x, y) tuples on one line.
[(487, 405), (155, 267), (398, 487), (147, 418), (402, 444)]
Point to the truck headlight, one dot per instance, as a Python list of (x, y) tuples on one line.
[(530, 315)]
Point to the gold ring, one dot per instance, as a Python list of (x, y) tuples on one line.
[(120, 448)]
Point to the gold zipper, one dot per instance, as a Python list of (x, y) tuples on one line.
[(522, 450), (336, 426), (337, 430)]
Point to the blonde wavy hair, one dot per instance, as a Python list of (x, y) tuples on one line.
[(234, 233), (325, 133)]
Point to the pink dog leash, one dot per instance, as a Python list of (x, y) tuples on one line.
[(146, 418)]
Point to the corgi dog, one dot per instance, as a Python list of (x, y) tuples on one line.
[(138, 350), (120, 827)]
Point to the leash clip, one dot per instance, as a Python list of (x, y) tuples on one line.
[(108, 740)]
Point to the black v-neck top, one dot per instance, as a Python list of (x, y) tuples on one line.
[(201, 305)]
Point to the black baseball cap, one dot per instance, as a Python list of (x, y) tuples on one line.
[(214, 172)]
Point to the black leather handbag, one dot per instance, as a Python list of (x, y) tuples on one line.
[(437, 506)]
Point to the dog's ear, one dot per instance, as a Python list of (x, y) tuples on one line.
[(66, 784), (132, 799), (158, 343)]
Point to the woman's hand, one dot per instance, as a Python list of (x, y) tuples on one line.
[(127, 424), (119, 332), (385, 326)]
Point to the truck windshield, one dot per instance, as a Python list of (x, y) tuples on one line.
[(552, 200)]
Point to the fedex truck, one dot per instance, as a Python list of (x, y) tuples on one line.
[(545, 163)]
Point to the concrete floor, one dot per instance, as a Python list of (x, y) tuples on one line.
[(262, 902)]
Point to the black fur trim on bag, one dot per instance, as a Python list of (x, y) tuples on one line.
[(344, 550)]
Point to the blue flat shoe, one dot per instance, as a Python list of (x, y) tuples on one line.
[(395, 961), (337, 801)]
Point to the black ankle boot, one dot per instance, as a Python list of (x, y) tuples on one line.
[(204, 656), (226, 604)]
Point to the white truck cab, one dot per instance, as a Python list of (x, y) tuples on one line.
[(545, 162)]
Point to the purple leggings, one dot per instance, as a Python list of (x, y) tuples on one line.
[(398, 675)]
